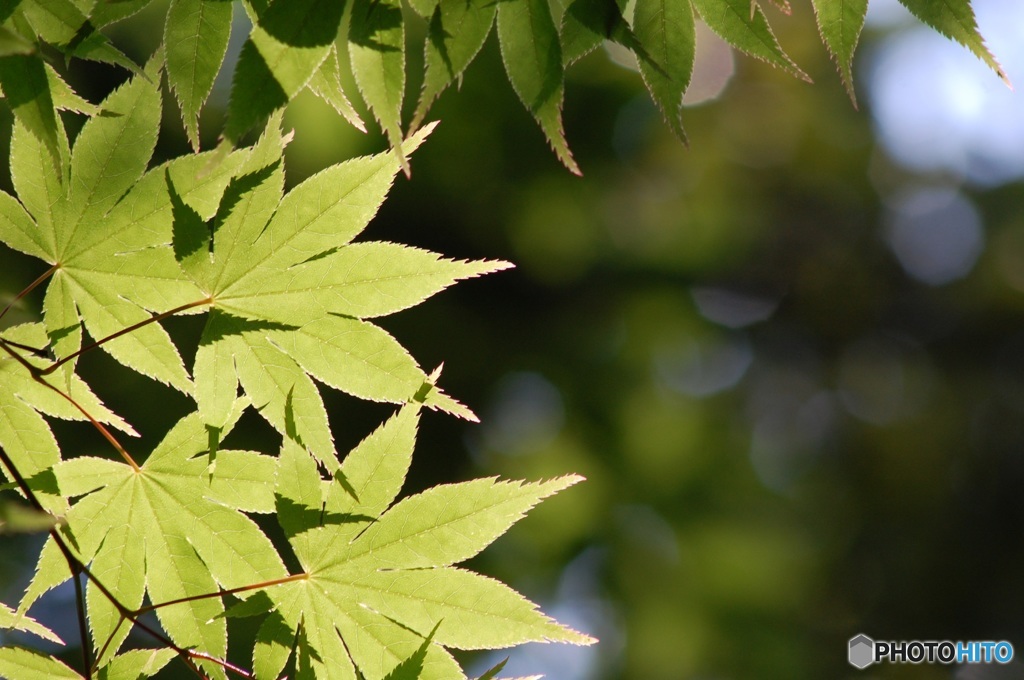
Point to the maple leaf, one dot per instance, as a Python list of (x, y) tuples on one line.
[(26, 664), (10, 620), (381, 585), (291, 295), (172, 528), (106, 229)]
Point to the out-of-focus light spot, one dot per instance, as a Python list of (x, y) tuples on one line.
[(702, 369), (887, 14), (791, 415), (937, 107), (732, 309), (713, 68), (936, 234), (882, 381), (526, 413), (632, 126), (713, 65), (786, 440)]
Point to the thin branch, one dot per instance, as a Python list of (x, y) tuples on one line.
[(222, 663), (37, 375), (124, 331), (82, 631), (32, 286), (231, 591), (39, 352)]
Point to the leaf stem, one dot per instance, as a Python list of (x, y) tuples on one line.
[(37, 375), (41, 353), (32, 286), (80, 607), (124, 331), (222, 663), (231, 591)]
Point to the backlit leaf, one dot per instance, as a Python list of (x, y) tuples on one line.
[(377, 50), (10, 620), (196, 39), (136, 664), (284, 50), (747, 31), (665, 29), (166, 531), (840, 23), (532, 54), (955, 19), (457, 31), (27, 664), (381, 597), (26, 89), (326, 84)]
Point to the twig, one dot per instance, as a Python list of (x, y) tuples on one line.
[(124, 331), (82, 631), (37, 375), (32, 286)]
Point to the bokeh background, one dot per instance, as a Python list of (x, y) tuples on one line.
[(789, 359)]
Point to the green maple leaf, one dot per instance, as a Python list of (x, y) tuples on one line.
[(106, 230), (840, 23), (376, 43), (455, 36), (10, 620), (66, 25), (290, 39), (172, 528), (532, 52), (326, 84), (666, 31), (745, 27), (18, 662), (381, 585), (196, 40), (26, 664), (955, 20), (291, 294)]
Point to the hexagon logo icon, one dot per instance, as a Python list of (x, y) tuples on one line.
[(862, 651)]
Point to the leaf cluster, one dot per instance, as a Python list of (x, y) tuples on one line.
[(291, 299)]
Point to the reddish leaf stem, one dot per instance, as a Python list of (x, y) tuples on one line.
[(37, 375), (32, 286), (124, 331), (83, 633), (241, 589)]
